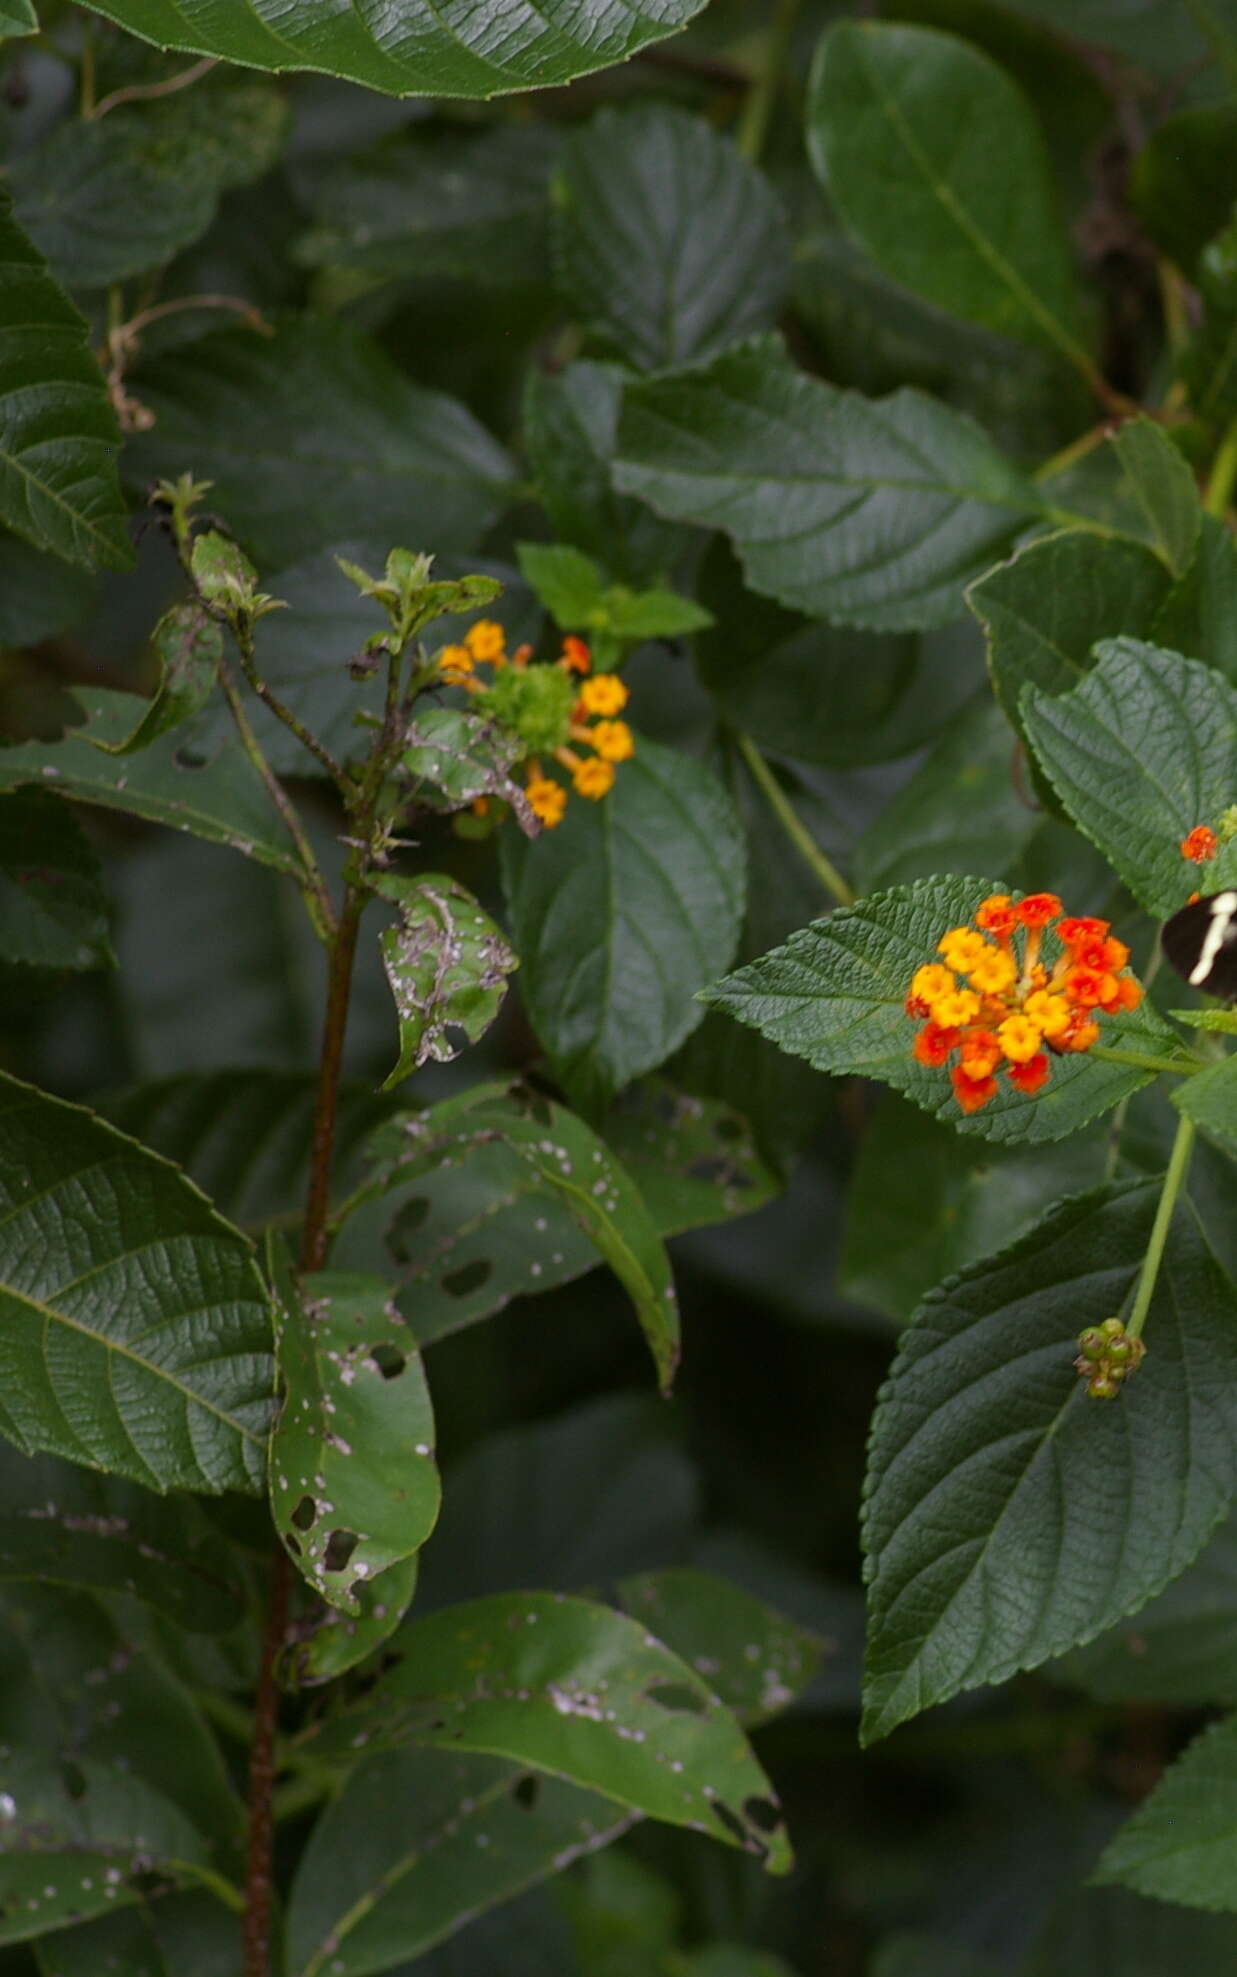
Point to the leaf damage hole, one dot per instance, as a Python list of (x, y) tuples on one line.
[(716, 1167), (526, 1791), (388, 1358), (736, 1828), (305, 1514), (73, 1778), (763, 1813), (469, 1277), (339, 1549), (187, 757), (677, 1697), (412, 1216), (728, 1128)]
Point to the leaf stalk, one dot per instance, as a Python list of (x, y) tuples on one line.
[(1174, 1178), (805, 844)]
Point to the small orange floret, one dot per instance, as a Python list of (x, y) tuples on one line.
[(486, 639), (981, 1053), (996, 914), (1027, 1078), (1080, 1034), (593, 777), (933, 1044), (972, 1094), (604, 694), (1200, 844), (1129, 992), (547, 800), (1037, 909), (613, 741), (1072, 931), (576, 656), (1091, 988)]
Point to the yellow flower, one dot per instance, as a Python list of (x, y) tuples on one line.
[(931, 981), (1050, 1013), (613, 741), (593, 777), (956, 1010), (454, 661), (1019, 1038), (486, 640), (547, 800), (963, 949), (603, 694), (994, 972)]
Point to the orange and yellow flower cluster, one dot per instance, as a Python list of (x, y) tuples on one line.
[(994, 1000), (1200, 845), (548, 710)]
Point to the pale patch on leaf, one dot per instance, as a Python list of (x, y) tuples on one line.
[(447, 964)]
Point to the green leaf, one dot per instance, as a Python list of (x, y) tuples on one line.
[(565, 580), (654, 614), (1107, 1927), (188, 647), (1181, 1648), (916, 1955), (1210, 1099), (69, 1527), (58, 487), (937, 166), (1142, 750), (621, 914), (418, 1842), (1199, 615), (570, 428), (475, 52), (137, 1328), (568, 1159), (924, 1201), (961, 806), (867, 512), (1043, 611), (447, 965), (181, 1933), (834, 994), (1164, 488), (53, 909), (39, 595), (1209, 363), (582, 1692), (1008, 1516), (694, 1159), (17, 17), (1178, 1845), (455, 756), (1184, 181), (353, 1485), (108, 199), (339, 1641), (756, 1660), (667, 242), (231, 408), (217, 795)]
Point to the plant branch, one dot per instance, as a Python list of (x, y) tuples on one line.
[(270, 700), (313, 885), (758, 109), (805, 844), (145, 92), (1181, 1067), (1178, 1167), (1223, 476)]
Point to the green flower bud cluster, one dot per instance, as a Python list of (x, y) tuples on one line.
[(1107, 1356), (534, 702)]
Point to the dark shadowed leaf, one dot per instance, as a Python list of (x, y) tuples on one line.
[(1164, 489), (756, 1660), (961, 807), (53, 909), (1210, 1099), (187, 647), (1178, 1845)]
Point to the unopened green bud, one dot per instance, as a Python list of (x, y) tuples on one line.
[(1092, 1343), (1101, 1388)]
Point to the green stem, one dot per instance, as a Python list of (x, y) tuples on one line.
[(1222, 47), (1078, 449), (313, 885), (1223, 475), (1178, 1165), (321, 754), (805, 844), (86, 73), (754, 124), (1181, 1067)]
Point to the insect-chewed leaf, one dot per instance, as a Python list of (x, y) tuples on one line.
[(53, 909), (188, 646), (447, 964), (835, 994), (136, 1333), (1008, 1515), (340, 1641), (756, 1660), (1142, 750), (457, 756), (578, 1690), (354, 1489)]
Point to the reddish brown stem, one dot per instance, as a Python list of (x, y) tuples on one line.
[(258, 1876)]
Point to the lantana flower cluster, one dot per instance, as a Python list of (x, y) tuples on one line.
[(995, 1002), (560, 709)]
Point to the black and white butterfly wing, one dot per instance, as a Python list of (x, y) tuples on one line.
[(1201, 944)]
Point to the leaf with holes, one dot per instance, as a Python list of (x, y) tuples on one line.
[(338, 1641), (835, 994), (53, 909), (582, 1692), (137, 1329), (668, 243), (58, 486), (217, 795), (693, 1159), (447, 965), (1164, 488), (865, 511), (567, 1158), (621, 914), (454, 756), (1178, 1844), (1008, 1516), (1142, 750), (756, 1660), (419, 1842), (353, 1485), (188, 647)]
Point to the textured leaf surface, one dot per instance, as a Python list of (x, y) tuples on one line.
[(1179, 1844), (413, 465), (621, 914), (834, 993), (58, 437), (1210, 1099), (567, 1158), (214, 794), (353, 1485), (1008, 1516), (578, 1690), (1181, 1648), (936, 164), (447, 966), (1164, 488), (420, 1841), (53, 909), (1141, 751), (455, 50), (866, 511), (136, 1334), (668, 243)]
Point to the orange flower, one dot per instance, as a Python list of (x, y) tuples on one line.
[(576, 656), (613, 741), (1071, 931), (1200, 844), (1037, 909), (933, 1044), (593, 777), (1027, 1078), (996, 915), (972, 1094), (981, 1053), (486, 640), (547, 800), (603, 694)]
